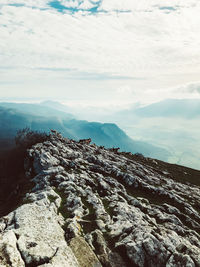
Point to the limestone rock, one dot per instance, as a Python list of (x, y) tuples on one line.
[(92, 206), (9, 253)]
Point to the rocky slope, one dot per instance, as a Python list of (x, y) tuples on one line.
[(91, 206)]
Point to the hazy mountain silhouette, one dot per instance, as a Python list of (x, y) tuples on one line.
[(38, 109), (184, 108), (37, 118), (55, 105), (172, 123)]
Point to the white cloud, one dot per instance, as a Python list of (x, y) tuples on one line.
[(144, 5), (190, 89), (70, 3), (156, 43)]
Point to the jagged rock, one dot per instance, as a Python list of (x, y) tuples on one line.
[(40, 237), (180, 260), (9, 253), (91, 206)]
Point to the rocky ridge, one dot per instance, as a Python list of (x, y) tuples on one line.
[(91, 206)]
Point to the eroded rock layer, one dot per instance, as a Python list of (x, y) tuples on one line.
[(91, 206)]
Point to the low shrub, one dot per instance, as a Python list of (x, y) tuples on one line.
[(26, 138)]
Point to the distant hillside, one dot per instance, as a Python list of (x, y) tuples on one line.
[(184, 108), (173, 124), (107, 134), (38, 109), (55, 105)]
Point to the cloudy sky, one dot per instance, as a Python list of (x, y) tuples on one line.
[(100, 51)]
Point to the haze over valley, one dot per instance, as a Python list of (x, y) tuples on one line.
[(166, 130), (171, 124)]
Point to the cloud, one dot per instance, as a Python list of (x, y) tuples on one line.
[(146, 44), (192, 88)]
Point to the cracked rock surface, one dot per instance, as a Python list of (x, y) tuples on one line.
[(92, 206)]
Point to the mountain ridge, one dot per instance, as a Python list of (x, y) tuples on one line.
[(107, 134), (91, 206), (187, 108)]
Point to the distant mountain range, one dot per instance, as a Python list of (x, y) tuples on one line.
[(42, 117), (172, 123), (46, 109), (184, 108)]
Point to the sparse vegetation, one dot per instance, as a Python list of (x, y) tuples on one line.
[(176, 172), (13, 182), (123, 168), (52, 198), (107, 207), (26, 138), (63, 209)]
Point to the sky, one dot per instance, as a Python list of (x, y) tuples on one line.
[(100, 52)]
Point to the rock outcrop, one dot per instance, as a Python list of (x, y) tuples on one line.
[(91, 206)]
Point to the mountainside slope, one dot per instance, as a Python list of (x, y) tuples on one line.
[(183, 108), (91, 206), (36, 110), (107, 134)]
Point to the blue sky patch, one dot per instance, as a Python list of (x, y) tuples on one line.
[(17, 5), (58, 6), (168, 8), (61, 8)]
